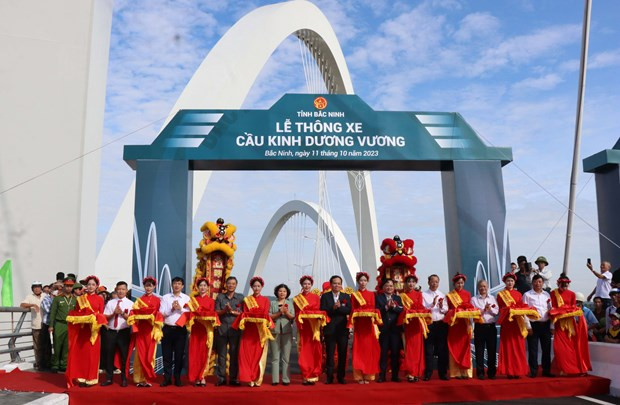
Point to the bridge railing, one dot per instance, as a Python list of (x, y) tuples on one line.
[(15, 335)]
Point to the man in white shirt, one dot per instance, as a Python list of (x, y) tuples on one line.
[(540, 330), (603, 284), (173, 343), (485, 333), (33, 302), (117, 333), (543, 269), (437, 340)]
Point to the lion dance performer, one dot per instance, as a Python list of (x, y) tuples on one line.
[(397, 262), (310, 320), (83, 325), (415, 320), (570, 343), (512, 312), (365, 320), (215, 256), (146, 322), (200, 324), (255, 323), (459, 316)]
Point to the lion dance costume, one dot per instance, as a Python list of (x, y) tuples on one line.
[(215, 256), (397, 262)]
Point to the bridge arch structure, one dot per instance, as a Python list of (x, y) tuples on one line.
[(341, 248), (222, 81)]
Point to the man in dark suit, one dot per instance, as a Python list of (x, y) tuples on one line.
[(337, 305), (228, 307), (390, 306)]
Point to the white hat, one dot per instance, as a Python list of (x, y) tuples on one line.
[(35, 283), (579, 297)]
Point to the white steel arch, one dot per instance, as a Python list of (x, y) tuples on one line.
[(341, 248), (222, 81)]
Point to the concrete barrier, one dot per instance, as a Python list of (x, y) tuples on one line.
[(605, 358)]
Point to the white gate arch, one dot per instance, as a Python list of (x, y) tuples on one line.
[(340, 248), (222, 81)]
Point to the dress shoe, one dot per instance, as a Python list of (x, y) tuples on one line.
[(548, 374), (444, 377), (341, 381), (426, 378), (395, 379), (235, 383), (178, 382), (220, 383), (274, 383), (491, 377), (381, 379), (532, 375), (165, 383), (329, 381), (287, 383), (124, 381), (106, 383), (480, 376)]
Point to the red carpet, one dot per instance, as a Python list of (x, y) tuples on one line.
[(402, 393)]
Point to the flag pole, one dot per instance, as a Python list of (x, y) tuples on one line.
[(585, 36)]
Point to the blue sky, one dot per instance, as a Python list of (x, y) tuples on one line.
[(510, 68)]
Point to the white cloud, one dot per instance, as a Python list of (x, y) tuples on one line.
[(521, 49), (475, 25), (605, 59), (546, 82)]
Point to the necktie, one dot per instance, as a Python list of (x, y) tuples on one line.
[(118, 303)]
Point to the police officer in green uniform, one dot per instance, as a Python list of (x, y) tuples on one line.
[(61, 305)]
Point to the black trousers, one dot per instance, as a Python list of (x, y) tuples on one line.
[(103, 358), (485, 335), (390, 341), (46, 347), (227, 345), (437, 341), (173, 346), (115, 340), (340, 340), (541, 332)]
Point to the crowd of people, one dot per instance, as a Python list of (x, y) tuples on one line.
[(94, 330)]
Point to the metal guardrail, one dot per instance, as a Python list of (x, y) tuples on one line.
[(12, 349)]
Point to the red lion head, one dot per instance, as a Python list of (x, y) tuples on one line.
[(397, 261)]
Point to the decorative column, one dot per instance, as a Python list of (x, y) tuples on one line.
[(475, 218), (163, 220), (605, 166)]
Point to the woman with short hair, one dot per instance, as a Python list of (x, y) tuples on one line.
[(283, 314)]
